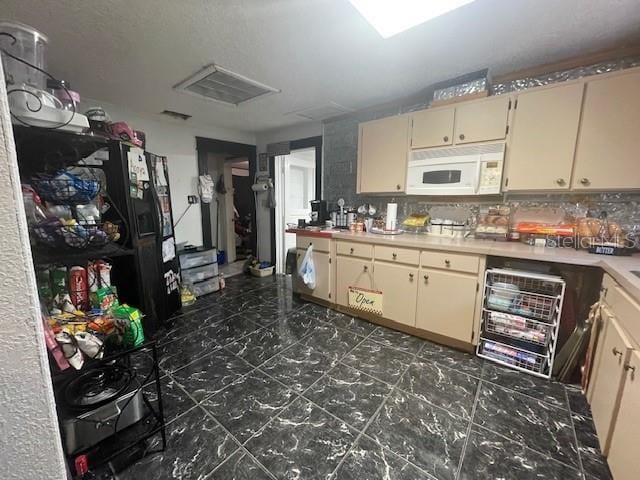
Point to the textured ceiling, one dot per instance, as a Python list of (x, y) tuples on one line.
[(132, 52)]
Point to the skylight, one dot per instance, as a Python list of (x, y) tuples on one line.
[(390, 17)]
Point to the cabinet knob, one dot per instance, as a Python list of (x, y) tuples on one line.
[(366, 268), (461, 136), (411, 277), (616, 352), (585, 181), (560, 181), (394, 255), (445, 138), (426, 278), (351, 251), (630, 368), (398, 187), (447, 263)]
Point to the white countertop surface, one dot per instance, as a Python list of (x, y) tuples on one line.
[(618, 267)]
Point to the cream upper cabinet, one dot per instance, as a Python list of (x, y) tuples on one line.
[(482, 120), (446, 303), (432, 128), (607, 155), (623, 451), (351, 272), (543, 138), (608, 379), (383, 148), (399, 287)]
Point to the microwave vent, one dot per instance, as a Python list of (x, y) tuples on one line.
[(461, 151)]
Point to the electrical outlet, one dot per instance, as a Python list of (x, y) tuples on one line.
[(192, 199)]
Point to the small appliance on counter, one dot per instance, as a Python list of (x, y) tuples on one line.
[(29, 101), (319, 213)]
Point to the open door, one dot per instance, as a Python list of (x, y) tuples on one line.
[(295, 187)]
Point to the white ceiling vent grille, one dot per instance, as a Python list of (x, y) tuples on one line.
[(321, 112), (221, 85)]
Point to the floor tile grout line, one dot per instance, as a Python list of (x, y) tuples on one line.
[(240, 446), (575, 436), (375, 414), (469, 428), (527, 447), (300, 395), (233, 437)]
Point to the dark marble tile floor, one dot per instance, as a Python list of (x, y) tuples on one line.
[(260, 385)]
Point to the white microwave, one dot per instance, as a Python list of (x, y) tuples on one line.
[(463, 170)]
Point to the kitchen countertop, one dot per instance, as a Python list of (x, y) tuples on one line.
[(620, 268)]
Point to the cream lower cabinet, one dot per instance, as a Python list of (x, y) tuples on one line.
[(608, 379), (399, 287), (352, 272), (322, 263), (625, 440), (446, 303)]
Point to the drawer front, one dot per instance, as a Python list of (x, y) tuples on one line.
[(459, 262), (319, 244), (397, 255), (354, 249)]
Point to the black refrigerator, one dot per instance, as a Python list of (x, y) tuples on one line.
[(146, 179)]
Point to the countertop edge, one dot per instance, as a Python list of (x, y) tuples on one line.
[(619, 268)]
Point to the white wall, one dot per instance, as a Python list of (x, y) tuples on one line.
[(30, 447), (176, 139), (263, 214)]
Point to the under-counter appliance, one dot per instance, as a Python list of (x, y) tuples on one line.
[(458, 170)]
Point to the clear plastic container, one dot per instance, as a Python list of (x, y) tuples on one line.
[(197, 258), (199, 274), (208, 286), (30, 46)]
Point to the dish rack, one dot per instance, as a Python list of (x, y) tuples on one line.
[(520, 319)]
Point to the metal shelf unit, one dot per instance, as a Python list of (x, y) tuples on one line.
[(520, 319)]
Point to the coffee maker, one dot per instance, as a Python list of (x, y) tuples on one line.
[(319, 213)]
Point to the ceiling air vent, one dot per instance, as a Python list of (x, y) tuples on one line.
[(172, 114), (321, 112), (220, 85)]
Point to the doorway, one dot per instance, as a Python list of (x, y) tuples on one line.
[(296, 183), (226, 227)]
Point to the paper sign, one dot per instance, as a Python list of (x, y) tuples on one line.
[(138, 164), (366, 300)]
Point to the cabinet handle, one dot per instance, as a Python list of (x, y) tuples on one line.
[(616, 352), (366, 269), (560, 181), (351, 251), (630, 368), (447, 263), (445, 138), (426, 278), (411, 277), (585, 181), (398, 187), (461, 136), (394, 255)]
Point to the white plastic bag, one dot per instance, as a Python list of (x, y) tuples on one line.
[(307, 270)]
